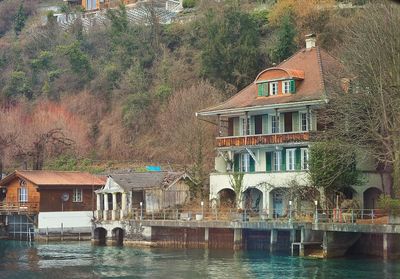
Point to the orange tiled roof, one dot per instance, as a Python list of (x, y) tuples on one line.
[(47, 178), (314, 65)]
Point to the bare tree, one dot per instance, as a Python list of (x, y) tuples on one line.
[(53, 141), (189, 140), (368, 116)]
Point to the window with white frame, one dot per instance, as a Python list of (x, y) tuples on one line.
[(304, 121), (290, 159), (276, 159), (274, 124), (273, 88), (77, 195), (244, 162), (304, 158), (23, 194), (286, 86)]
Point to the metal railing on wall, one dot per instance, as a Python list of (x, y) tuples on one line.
[(355, 216)]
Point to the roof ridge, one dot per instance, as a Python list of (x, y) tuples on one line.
[(52, 171)]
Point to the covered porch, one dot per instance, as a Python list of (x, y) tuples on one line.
[(111, 202)]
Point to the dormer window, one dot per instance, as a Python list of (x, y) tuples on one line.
[(273, 88), (286, 87)]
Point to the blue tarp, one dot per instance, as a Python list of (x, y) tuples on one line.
[(153, 168)]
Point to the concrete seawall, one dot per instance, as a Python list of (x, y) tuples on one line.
[(304, 239)]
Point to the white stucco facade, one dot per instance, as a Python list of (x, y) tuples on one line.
[(266, 182), (67, 221)]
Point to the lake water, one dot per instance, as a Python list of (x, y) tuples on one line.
[(81, 260)]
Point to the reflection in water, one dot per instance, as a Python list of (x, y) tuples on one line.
[(81, 260)]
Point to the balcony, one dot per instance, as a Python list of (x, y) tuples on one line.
[(262, 139), (19, 208)]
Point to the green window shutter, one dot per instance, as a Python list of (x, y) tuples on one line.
[(283, 165), (265, 124), (268, 160), (236, 159), (297, 159), (260, 89), (252, 165), (292, 86), (266, 89)]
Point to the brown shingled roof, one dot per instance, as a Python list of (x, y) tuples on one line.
[(47, 178), (314, 63)]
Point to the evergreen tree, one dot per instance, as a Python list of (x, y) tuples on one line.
[(285, 46), (231, 51), (19, 21)]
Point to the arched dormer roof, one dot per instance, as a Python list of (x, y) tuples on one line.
[(279, 73), (315, 66)]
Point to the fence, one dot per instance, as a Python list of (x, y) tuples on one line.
[(355, 216), (19, 207)]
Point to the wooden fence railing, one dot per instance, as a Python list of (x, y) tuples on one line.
[(19, 207), (262, 139)]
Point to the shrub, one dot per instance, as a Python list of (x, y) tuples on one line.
[(187, 4)]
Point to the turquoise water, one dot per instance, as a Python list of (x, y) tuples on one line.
[(81, 260)]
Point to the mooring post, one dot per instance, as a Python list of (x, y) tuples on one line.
[(206, 236), (237, 239), (385, 245), (62, 231), (273, 240)]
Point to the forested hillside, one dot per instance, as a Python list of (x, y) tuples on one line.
[(129, 92)]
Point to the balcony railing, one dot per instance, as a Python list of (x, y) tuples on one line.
[(19, 207), (262, 139)]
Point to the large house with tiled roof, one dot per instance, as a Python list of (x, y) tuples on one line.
[(264, 132)]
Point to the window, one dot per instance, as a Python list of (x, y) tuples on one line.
[(77, 195), (274, 124), (273, 88), (304, 122), (263, 89), (286, 87), (290, 159), (304, 158), (276, 156), (23, 194), (244, 126), (244, 162)]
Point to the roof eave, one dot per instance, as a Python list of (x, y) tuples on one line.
[(255, 108)]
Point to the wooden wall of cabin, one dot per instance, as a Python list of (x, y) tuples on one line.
[(176, 194), (50, 199), (12, 192)]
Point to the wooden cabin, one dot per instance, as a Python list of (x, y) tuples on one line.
[(48, 191)]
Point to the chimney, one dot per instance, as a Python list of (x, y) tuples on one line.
[(310, 41)]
